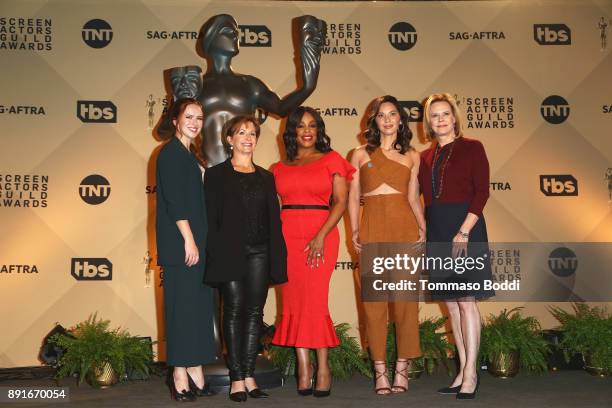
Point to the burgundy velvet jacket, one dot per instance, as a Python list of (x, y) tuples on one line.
[(466, 177)]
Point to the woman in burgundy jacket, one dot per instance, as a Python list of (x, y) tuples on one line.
[(454, 180)]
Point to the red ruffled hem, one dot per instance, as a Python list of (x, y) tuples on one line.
[(306, 332)]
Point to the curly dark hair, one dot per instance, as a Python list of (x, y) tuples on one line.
[(323, 142), (372, 133), (167, 130), (233, 125)]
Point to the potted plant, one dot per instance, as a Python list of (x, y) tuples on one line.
[(99, 355), (344, 360), (509, 341), (434, 346), (588, 331)]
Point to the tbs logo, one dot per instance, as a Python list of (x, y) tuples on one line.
[(552, 34), (563, 262), (255, 36), (97, 111), (402, 36), (91, 269), (414, 109), (558, 185), (94, 189), (555, 109), (97, 33)]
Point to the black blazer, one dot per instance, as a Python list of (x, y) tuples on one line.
[(226, 259), (180, 196)]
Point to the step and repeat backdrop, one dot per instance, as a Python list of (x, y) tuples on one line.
[(82, 89)]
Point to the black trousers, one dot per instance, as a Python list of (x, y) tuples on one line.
[(243, 303)]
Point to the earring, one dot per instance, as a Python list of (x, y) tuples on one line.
[(401, 127), (231, 147)]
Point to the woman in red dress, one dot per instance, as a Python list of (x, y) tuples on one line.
[(311, 175)]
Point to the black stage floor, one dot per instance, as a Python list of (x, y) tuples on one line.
[(572, 388)]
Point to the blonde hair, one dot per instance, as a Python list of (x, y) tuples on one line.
[(442, 97)]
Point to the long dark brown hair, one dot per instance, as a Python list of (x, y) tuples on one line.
[(323, 142), (169, 129), (372, 133)]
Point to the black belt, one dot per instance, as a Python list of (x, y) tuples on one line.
[(305, 207)]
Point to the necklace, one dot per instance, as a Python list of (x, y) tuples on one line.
[(442, 171)]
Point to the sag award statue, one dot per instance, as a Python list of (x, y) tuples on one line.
[(225, 94)]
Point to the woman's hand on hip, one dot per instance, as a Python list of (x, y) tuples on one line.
[(315, 251), (192, 255)]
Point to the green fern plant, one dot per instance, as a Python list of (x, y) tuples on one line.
[(91, 344), (588, 330), (512, 332), (434, 344), (344, 360)]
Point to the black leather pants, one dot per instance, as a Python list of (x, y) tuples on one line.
[(243, 303)]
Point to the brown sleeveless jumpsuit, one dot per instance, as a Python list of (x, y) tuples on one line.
[(388, 218)]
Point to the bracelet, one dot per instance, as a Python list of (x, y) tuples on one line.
[(463, 234)]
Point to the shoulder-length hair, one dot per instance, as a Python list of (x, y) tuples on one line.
[(442, 97), (168, 130), (323, 141), (233, 125), (372, 133)]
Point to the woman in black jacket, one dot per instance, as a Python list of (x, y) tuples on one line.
[(181, 231), (246, 251)]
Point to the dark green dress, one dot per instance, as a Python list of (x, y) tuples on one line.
[(188, 303)]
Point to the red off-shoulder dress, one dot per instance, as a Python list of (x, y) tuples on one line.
[(305, 320)]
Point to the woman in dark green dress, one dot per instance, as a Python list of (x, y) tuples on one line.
[(181, 229)]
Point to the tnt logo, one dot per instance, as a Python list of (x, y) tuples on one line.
[(414, 110), (552, 34), (255, 36), (94, 189), (91, 269), (558, 185), (563, 262), (97, 33), (97, 111), (555, 109), (402, 36)]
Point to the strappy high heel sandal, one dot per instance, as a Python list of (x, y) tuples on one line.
[(396, 389), (378, 375)]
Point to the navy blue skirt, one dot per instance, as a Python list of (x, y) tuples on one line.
[(443, 223)]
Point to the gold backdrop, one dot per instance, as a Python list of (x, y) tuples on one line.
[(82, 79)]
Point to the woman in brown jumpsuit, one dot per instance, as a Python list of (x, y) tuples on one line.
[(387, 180)]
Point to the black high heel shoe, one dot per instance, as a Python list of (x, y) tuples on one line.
[(239, 396), (304, 392), (322, 393), (200, 392), (449, 390), (470, 395), (183, 396), (257, 393)]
